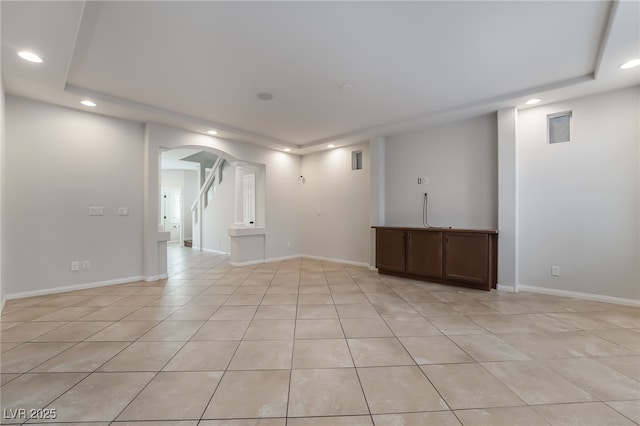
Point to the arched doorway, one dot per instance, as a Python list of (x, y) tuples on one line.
[(227, 176)]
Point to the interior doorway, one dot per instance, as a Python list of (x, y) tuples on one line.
[(197, 200), (171, 213)]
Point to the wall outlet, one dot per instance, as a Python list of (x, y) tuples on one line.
[(123, 211), (555, 271), (96, 211), (86, 264), (423, 181), (75, 266)]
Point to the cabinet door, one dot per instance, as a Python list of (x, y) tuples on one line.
[(424, 253), (467, 258), (390, 249)]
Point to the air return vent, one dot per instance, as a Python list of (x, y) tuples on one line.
[(356, 160), (559, 127)]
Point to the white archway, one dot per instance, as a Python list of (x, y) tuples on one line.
[(247, 243)]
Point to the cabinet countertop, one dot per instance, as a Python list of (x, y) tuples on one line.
[(439, 229)]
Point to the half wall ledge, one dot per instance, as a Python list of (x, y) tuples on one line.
[(247, 245), (163, 238)]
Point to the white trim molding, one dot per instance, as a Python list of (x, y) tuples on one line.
[(250, 263), (270, 260), (223, 253), (156, 277), (579, 295), (300, 256), (68, 288), (330, 259), (507, 288)]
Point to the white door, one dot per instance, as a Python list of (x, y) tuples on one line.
[(249, 192), (171, 212)]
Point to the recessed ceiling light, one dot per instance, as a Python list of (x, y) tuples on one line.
[(331, 145), (264, 96), (30, 56), (287, 150), (533, 101), (212, 132), (88, 103), (346, 86), (630, 64)]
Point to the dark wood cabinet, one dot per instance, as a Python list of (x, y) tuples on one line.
[(424, 253), (467, 257), (391, 255), (451, 256)]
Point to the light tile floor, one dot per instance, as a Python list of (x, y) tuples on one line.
[(305, 342)]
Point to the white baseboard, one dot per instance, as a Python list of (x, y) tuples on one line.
[(151, 278), (299, 256), (4, 299), (68, 288), (579, 295), (283, 258), (373, 268), (507, 288), (249, 263), (270, 260), (224, 253), (329, 259)]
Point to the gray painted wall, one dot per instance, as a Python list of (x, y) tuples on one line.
[(459, 160), (578, 201), (59, 163)]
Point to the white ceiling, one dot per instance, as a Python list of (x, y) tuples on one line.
[(172, 159), (200, 65)]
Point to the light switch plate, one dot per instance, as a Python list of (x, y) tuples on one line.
[(96, 211), (123, 211)]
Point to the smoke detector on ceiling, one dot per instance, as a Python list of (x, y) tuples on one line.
[(264, 96)]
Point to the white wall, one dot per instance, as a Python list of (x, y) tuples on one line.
[(218, 216), (578, 201), (335, 205), (187, 181), (190, 193), (460, 162), (507, 199), (282, 189), (2, 193), (58, 163)]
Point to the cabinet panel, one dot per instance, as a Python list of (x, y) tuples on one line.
[(467, 258), (450, 256), (424, 253), (390, 250)]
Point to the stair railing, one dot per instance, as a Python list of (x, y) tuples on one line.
[(196, 207)]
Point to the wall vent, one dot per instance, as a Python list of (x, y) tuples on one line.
[(559, 127), (356, 160)]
